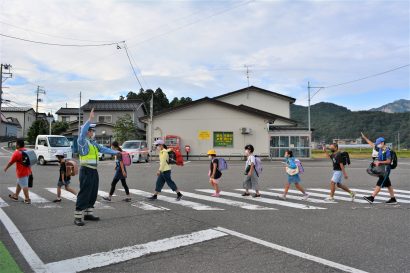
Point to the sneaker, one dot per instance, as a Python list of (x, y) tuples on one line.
[(152, 198), (79, 222), (369, 199), (58, 200), (330, 198), (215, 195), (352, 195), (246, 194), (179, 196), (305, 196), (282, 197), (13, 197), (107, 198), (391, 201)]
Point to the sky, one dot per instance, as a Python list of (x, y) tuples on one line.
[(201, 48)]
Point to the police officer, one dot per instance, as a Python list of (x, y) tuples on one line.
[(88, 150)]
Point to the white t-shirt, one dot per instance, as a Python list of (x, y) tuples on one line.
[(251, 159)]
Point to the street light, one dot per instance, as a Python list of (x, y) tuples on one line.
[(50, 119)]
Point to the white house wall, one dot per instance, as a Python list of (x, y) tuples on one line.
[(258, 100), (186, 123)]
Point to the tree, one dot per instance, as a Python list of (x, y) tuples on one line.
[(177, 102), (59, 127), (39, 127), (124, 129)]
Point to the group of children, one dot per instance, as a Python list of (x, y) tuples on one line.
[(251, 180)]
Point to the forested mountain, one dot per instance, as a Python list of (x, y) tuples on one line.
[(331, 121), (398, 106)]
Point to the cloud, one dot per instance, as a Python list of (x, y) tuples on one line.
[(199, 48)]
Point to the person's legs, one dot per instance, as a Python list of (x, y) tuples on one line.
[(285, 191), (113, 185), (332, 189), (125, 186), (170, 182), (344, 187), (89, 212), (18, 190), (159, 184), (84, 195), (59, 192), (247, 185), (391, 191), (300, 188), (255, 184), (69, 189), (26, 193)]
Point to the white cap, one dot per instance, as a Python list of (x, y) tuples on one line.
[(159, 142), (59, 153)]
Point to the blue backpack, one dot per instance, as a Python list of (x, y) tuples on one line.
[(222, 165), (258, 165)]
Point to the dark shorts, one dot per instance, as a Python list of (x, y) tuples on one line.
[(384, 181)]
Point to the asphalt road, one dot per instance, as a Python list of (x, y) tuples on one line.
[(371, 238)]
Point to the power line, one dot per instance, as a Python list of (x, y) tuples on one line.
[(132, 67), (51, 35), (360, 79), (57, 44)]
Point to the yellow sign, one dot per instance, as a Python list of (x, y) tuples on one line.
[(204, 135)]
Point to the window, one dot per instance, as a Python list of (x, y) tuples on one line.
[(299, 145), (59, 142), (223, 139), (42, 142), (131, 145), (65, 118), (105, 118)]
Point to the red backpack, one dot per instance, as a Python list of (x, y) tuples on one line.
[(71, 168), (179, 160)]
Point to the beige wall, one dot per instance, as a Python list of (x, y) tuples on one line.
[(260, 101), (186, 123)]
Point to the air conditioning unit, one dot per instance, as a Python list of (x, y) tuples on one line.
[(246, 130)]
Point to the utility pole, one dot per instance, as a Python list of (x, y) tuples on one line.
[(39, 91), (247, 73), (398, 141), (79, 117), (309, 124), (3, 77)]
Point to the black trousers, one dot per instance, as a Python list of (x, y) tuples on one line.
[(87, 195), (123, 182)]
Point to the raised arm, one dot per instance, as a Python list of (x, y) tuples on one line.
[(325, 152), (367, 140), (84, 129)]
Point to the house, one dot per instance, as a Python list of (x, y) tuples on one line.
[(228, 122), (107, 113), (68, 114), (10, 128), (24, 115)]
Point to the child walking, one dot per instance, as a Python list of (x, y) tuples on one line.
[(214, 173), (251, 176), (164, 172), (292, 179), (120, 174), (63, 179), (22, 172)]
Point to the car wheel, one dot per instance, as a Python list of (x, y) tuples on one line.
[(42, 161), (102, 157), (147, 159)]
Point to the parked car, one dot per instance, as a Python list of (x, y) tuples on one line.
[(137, 149), (105, 156), (47, 145)]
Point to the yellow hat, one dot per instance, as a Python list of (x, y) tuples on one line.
[(211, 152)]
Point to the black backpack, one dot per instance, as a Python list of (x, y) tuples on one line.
[(25, 159), (393, 163), (345, 158)]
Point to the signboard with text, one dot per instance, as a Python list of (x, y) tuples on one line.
[(223, 139)]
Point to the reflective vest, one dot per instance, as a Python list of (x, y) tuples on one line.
[(90, 160)]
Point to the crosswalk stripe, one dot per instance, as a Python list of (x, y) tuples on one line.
[(295, 197), (366, 193), (147, 206), (264, 200), (3, 203), (224, 201), (36, 199), (384, 193), (185, 203), (71, 197), (402, 191), (315, 194), (104, 194)]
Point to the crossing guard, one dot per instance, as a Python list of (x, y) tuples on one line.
[(88, 150)]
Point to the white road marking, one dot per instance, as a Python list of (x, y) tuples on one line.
[(265, 200), (3, 203), (185, 203), (36, 199), (315, 194), (294, 197), (147, 206), (384, 193), (224, 201), (291, 251), (132, 252), (104, 194), (402, 191), (71, 197), (360, 195), (28, 253)]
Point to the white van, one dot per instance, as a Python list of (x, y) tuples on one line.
[(47, 146), (137, 149)]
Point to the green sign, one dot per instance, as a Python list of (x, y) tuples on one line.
[(223, 139)]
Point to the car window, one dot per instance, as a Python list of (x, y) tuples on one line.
[(42, 142), (59, 142), (131, 145)]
